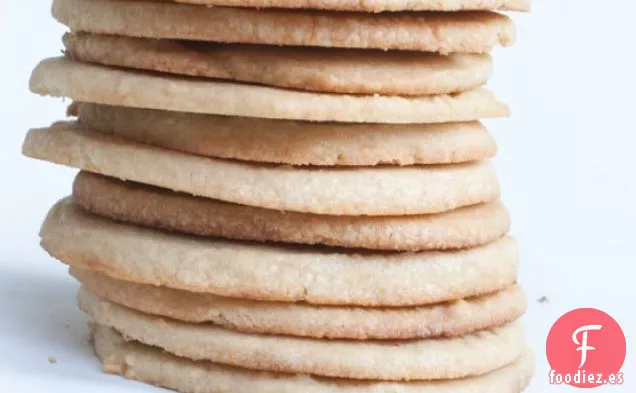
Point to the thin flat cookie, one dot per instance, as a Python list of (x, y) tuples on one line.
[(111, 86), (450, 319), (337, 191), (294, 142), (151, 365), (435, 358), (275, 273), (444, 32), (375, 5), (149, 206), (332, 70)]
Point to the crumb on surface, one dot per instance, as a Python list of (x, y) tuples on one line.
[(52, 360), (543, 300)]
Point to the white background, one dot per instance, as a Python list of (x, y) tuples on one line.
[(566, 163)]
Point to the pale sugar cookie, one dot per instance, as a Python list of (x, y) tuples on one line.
[(444, 32), (61, 77), (382, 190), (275, 273), (328, 70), (151, 365), (160, 208), (434, 358), (294, 142), (449, 319)]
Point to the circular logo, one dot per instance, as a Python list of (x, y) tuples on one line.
[(586, 348)]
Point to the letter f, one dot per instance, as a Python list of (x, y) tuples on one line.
[(583, 344)]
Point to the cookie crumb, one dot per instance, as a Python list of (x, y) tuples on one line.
[(543, 300), (52, 360)]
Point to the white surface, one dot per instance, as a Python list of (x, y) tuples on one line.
[(567, 165)]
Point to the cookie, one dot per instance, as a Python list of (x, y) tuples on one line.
[(435, 358), (151, 365), (129, 88), (294, 142), (375, 6), (444, 32), (275, 273), (347, 71), (451, 319), (156, 207), (337, 191)]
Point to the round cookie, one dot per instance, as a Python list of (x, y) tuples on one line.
[(451, 319), (375, 5), (444, 32), (275, 273), (294, 142), (151, 365), (332, 70), (435, 358), (159, 208), (337, 191), (111, 86)]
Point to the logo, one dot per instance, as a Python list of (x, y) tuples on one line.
[(586, 348)]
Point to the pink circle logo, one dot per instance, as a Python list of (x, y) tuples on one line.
[(586, 348)]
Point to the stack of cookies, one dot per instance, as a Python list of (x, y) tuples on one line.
[(287, 199)]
